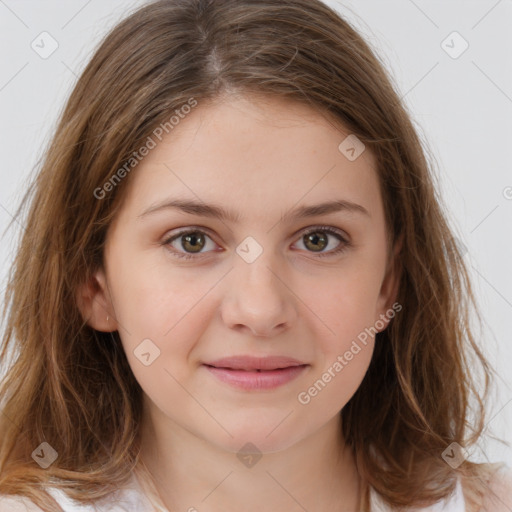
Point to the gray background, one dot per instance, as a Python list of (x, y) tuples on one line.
[(461, 106)]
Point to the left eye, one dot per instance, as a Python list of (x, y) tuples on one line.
[(315, 240)]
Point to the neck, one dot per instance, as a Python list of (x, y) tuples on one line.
[(191, 474)]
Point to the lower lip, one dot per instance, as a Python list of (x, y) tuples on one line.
[(254, 380)]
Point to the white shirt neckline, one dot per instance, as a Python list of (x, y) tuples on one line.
[(132, 499)]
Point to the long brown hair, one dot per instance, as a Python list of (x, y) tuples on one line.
[(71, 386)]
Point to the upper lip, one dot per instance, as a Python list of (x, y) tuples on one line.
[(255, 363)]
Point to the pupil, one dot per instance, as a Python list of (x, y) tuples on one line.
[(315, 239), (192, 239)]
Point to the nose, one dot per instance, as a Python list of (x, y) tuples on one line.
[(259, 300)]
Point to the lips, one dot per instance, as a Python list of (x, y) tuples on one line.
[(251, 363), (256, 373)]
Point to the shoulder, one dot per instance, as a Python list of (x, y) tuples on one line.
[(17, 504), (127, 498), (491, 491), (498, 496)]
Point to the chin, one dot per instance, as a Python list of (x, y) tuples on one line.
[(265, 437)]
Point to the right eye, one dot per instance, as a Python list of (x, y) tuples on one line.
[(193, 240)]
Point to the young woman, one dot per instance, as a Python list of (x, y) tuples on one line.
[(238, 289)]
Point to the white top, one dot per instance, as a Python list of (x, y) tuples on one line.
[(455, 503), (129, 499), (133, 499)]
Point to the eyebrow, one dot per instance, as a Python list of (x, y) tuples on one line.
[(219, 212)]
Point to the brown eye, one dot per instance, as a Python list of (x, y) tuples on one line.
[(316, 241), (193, 242), (189, 244), (320, 240)]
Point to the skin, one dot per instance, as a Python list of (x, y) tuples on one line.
[(261, 158)]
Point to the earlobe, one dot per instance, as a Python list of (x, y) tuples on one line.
[(94, 302)]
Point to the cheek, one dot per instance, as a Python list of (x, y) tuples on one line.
[(332, 385), (163, 314), (156, 298), (347, 307)]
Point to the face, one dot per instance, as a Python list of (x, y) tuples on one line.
[(289, 294)]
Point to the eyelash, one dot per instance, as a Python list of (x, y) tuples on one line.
[(344, 245)]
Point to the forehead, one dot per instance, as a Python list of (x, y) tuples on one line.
[(252, 152)]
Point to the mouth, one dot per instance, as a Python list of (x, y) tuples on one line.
[(253, 363), (256, 373), (248, 370)]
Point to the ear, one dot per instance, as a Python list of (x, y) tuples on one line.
[(390, 284), (95, 304)]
